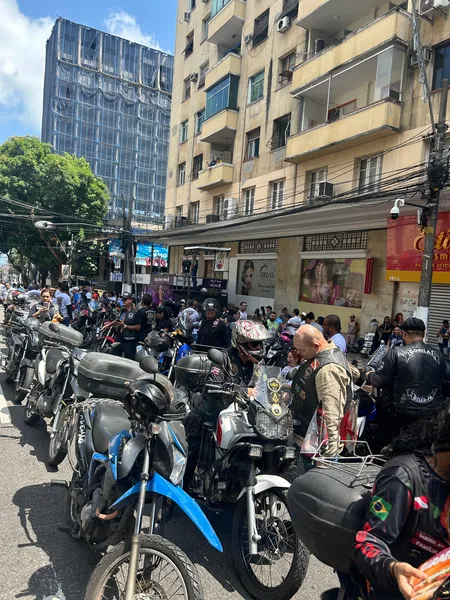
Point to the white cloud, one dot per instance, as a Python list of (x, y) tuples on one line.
[(22, 60), (124, 25)]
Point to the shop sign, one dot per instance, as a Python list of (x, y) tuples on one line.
[(256, 278), (116, 276), (405, 243), (406, 299), (141, 278), (368, 280), (162, 279), (221, 261), (215, 284)]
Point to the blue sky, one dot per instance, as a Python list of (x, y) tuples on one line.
[(26, 24)]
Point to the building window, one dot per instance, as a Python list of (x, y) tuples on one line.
[(199, 118), (184, 131), (187, 88), (249, 201), (256, 87), (219, 205), (179, 211), (197, 166), (182, 174), (370, 170), (192, 4), (277, 195), (281, 132), (261, 29), (189, 48), (315, 179), (441, 65), (290, 9), (286, 69), (194, 212), (201, 80), (253, 138), (221, 96), (205, 27)]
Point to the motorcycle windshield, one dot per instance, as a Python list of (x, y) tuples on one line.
[(268, 391), (186, 321)]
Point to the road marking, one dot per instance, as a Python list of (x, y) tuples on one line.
[(5, 415)]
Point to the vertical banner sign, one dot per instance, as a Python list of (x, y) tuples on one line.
[(221, 261), (65, 272), (368, 280)]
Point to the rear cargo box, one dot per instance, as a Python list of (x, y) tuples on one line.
[(327, 508), (105, 375), (66, 336)]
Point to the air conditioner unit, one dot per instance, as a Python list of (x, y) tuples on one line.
[(226, 156), (427, 6), (169, 221), (194, 77), (180, 221), (283, 24), (427, 56), (319, 45), (187, 17), (230, 208), (248, 38), (325, 189), (441, 3), (212, 218)]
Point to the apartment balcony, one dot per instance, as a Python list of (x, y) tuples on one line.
[(394, 25), (229, 65), (225, 26), (332, 16), (215, 176), (367, 124), (220, 128)]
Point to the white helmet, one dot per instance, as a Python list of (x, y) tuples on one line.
[(248, 337)]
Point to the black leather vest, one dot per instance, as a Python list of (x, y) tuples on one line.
[(305, 401), (417, 387)]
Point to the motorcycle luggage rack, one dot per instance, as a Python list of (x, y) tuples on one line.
[(360, 469)]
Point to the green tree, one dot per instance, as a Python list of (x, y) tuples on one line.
[(36, 184)]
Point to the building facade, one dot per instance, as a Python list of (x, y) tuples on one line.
[(108, 100), (295, 125)]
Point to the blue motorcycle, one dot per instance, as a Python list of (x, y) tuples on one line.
[(131, 453)]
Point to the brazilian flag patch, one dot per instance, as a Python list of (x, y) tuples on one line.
[(380, 508)]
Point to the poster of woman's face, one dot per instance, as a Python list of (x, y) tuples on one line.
[(256, 278), (335, 282)]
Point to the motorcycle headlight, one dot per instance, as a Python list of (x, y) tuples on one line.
[(274, 429), (179, 467)]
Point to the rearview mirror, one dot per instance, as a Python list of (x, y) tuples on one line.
[(216, 357), (292, 373), (54, 327), (149, 364)]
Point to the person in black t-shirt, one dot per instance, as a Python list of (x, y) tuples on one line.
[(163, 320), (213, 332), (186, 269), (147, 315), (131, 324)]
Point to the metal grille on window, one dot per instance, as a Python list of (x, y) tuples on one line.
[(346, 240), (258, 246)]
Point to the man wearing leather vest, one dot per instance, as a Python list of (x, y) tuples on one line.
[(410, 377), (323, 382)]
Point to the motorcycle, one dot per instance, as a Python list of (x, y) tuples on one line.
[(51, 390), (20, 368), (277, 351), (241, 463), (130, 452)]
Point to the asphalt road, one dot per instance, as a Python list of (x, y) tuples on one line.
[(41, 562)]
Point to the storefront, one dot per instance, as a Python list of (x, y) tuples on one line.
[(404, 264)]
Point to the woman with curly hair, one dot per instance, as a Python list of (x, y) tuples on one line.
[(247, 277)]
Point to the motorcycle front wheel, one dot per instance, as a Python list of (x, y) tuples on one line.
[(23, 384), (279, 568), (57, 450), (164, 571), (29, 416)]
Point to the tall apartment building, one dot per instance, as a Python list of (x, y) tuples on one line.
[(294, 127), (108, 99)]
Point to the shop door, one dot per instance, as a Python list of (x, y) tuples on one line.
[(439, 310)]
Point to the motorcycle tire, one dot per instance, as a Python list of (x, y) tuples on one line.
[(162, 548), (9, 377), (297, 572), (25, 380), (57, 449), (30, 417)]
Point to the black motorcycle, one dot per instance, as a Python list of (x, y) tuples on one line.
[(22, 361)]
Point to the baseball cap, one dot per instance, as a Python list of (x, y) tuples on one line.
[(128, 296), (413, 324)]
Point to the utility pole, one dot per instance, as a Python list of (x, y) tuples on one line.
[(437, 177)]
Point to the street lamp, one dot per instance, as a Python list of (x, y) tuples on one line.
[(44, 225)]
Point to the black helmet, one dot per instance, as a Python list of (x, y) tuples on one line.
[(148, 397), (211, 304), (158, 343)]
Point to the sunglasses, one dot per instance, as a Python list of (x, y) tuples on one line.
[(254, 346)]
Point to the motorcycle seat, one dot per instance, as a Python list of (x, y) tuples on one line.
[(109, 419), (54, 355)]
